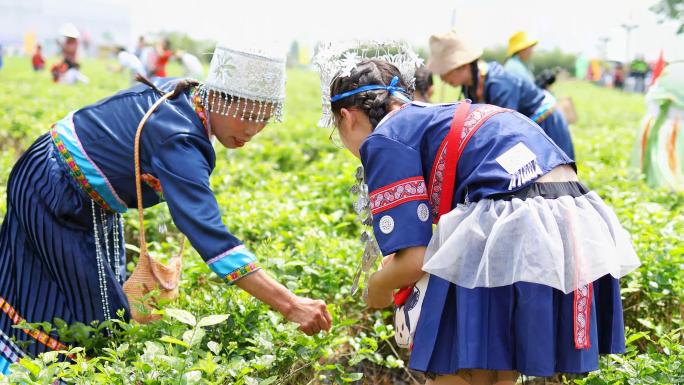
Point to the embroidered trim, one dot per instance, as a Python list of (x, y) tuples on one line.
[(76, 172), (38, 335), (582, 315), (154, 184), (436, 178), (241, 272), (7, 353), (543, 113), (111, 189), (405, 190), (226, 253), (473, 121)]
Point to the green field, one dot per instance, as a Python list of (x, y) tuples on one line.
[(286, 195)]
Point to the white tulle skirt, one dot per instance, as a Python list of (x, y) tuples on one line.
[(564, 242)]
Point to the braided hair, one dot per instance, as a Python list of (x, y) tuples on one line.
[(423, 80), (375, 103), (182, 85), (470, 92)]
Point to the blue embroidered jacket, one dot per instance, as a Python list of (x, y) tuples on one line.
[(177, 159), (506, 90), (402, 159)]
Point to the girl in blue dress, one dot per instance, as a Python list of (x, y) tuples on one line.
[(459, 64), (523, 266), (61, 242)]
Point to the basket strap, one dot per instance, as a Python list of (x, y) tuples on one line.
[(138, 185)]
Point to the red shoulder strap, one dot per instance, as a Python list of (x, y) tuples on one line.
[(452, 143), (452, 156)]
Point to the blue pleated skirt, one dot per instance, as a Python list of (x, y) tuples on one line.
[(48, 266), (556, 127), (524, 327)]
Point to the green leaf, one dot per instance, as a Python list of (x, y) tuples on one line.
[(181, 315), (214, 347), (30, 365), (212, 320), (50, 356), (646, 322), (634, 337), (193, 337), (175, 341), (192, 377), (269, 380), (351, 377)]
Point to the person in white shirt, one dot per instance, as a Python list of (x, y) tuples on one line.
[(191, 64), (130, 62)]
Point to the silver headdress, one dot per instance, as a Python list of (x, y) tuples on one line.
[(253, 80), (339, 59)]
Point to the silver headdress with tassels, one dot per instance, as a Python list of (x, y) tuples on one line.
[(253, 80), (339, 59)]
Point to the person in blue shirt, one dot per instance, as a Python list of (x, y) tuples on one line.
[(519, 52), (66, 194), (458, 64), (523, 265)]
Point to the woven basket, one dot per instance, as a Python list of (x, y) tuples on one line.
[(150, 274)]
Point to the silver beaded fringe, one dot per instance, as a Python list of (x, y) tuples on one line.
[(107, 257), (220, 102)]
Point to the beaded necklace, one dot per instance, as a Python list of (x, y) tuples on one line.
[(200, 110)]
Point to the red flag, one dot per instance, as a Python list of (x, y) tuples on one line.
[(658, 67)]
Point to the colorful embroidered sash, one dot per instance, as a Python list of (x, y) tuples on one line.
[(443, 174), (38, 335), (547, 107), (86, 173)]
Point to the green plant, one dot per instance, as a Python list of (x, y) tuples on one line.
[(286, 195)]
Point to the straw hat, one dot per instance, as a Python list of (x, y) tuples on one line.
[(450, 51), (518, 42)]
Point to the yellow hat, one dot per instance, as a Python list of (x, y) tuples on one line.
[(450, 51), (518, 42)]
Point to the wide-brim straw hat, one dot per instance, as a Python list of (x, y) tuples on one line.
[(518, 42), (450, 51)]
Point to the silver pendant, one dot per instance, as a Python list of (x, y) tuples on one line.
[(371, 250)]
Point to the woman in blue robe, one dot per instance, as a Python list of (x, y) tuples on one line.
[(522, 269), (61, 242), (459, 65)]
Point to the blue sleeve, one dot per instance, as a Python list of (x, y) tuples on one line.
[(503, 93), (398, 194), (182, 166)]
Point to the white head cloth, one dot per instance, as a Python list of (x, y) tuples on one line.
[(242, 75), (339, 59)]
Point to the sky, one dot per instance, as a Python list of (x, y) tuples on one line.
[(574, 26)]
